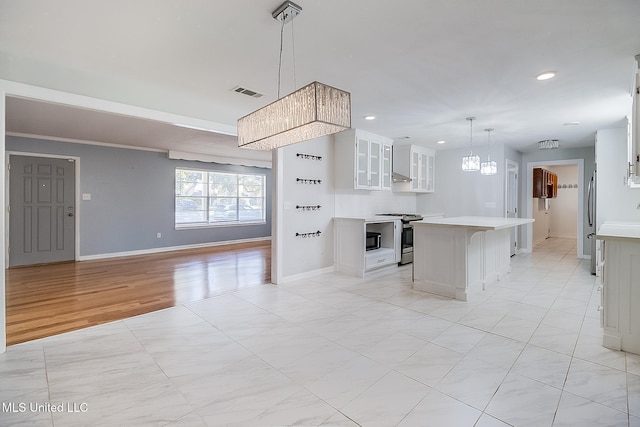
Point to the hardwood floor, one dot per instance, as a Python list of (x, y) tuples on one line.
[(46, 300)]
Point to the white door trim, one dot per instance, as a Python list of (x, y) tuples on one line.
[(76, 160), (529, 199), (512, 164)]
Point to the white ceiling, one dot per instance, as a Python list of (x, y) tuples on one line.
[(28, 117), (419, 66)]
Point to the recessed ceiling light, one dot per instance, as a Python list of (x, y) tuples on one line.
[(571, 123), (546, 75), (441, 141), (369, 117)]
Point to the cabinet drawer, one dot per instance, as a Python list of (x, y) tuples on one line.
[(376, 260)]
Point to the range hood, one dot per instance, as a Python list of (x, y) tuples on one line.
[(396, 177)]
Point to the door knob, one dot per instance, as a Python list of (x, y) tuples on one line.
[(70, 214)]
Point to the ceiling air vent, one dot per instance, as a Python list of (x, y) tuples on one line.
[(247, 92)]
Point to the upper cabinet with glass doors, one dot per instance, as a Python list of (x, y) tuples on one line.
[(417, 163), (633, 132), (363, 160)]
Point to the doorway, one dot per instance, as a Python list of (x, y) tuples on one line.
[(570, 217), (557, 217), (42, 210)]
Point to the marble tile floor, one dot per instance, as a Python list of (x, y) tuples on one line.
[(335, 350)]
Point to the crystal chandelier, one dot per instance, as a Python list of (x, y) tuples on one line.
[(310, 112), (547, 144), (471, 162), (490, 167)]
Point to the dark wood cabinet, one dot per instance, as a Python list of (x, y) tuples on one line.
[(545, 184)]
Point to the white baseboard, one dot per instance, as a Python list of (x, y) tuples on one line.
[(539, 241), (556, 236), (306, 275), (169, 249)]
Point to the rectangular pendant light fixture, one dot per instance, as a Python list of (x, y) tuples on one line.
[(310, 112)]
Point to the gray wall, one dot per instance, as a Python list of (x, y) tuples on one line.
[(132, 198), (460, 193)]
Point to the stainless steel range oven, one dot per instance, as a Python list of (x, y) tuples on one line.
[(406, 240), (406, 244)]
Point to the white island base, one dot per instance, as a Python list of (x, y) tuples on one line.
[(452, 255), (620, 285)]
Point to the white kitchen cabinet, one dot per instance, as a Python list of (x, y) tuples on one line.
[(620, 286), (387, 165), (363, 160), (351, 256), (417, 163), (633, 133)]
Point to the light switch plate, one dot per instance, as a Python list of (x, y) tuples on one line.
[(86, 196)]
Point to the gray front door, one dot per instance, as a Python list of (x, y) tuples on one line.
[(42, 210)]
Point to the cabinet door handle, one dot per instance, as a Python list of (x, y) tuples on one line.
[(600, 308)]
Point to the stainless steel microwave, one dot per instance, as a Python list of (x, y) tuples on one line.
[(372, 240)]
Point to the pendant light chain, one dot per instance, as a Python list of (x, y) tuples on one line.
[(471, 134), (280, 56), (293, 50)]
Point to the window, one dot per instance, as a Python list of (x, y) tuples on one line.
[(215, 198)]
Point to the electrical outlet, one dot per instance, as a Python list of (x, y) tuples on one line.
[(159, 235)]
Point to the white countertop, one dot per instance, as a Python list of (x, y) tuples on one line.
[(618, 230), (384, 218), (476, 222), (373, 218), (432, 214)]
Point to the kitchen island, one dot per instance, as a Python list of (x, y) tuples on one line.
[(452, 255)]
